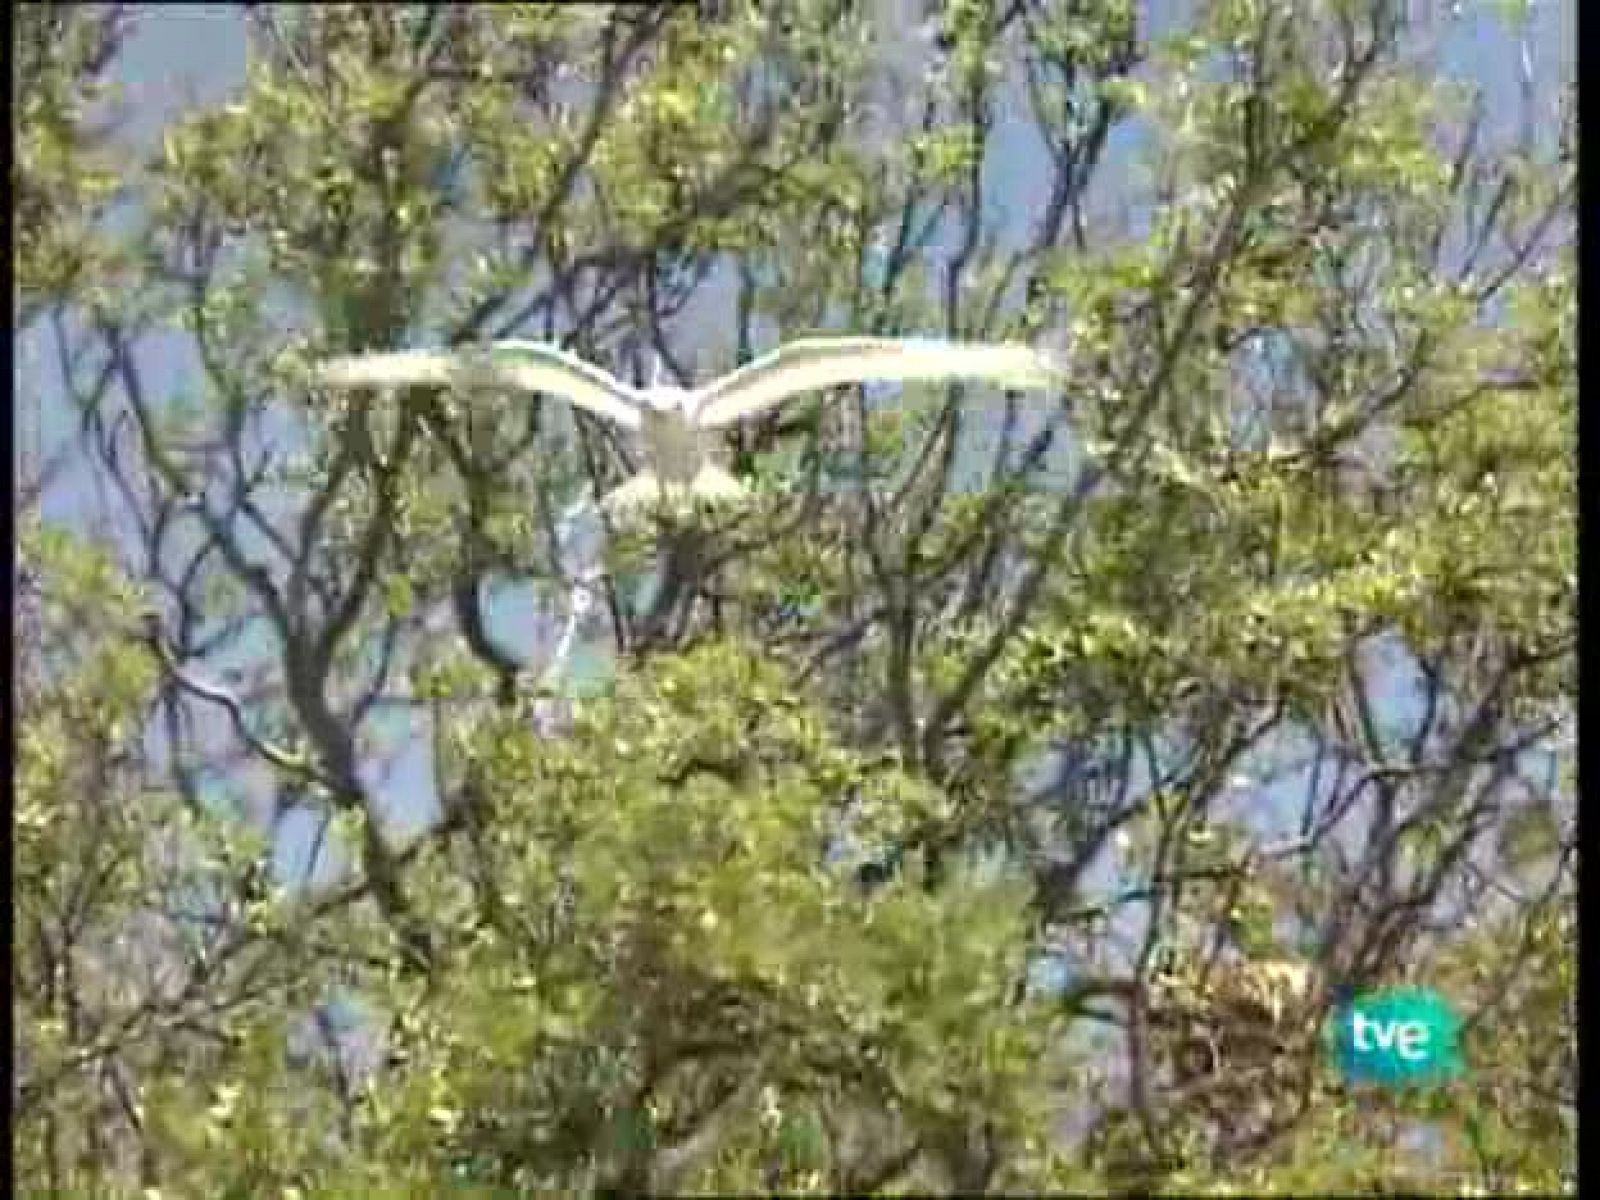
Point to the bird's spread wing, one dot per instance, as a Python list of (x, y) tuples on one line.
[(387, 369), (817, 363), (523, 366), (539, 366)]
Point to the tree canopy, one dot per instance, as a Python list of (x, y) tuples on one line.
[(948, 818)]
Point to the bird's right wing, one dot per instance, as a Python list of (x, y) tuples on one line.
[(815, 364), (521, 366)]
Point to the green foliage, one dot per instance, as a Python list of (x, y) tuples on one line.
[(766, 907), (62, 175), (660, 926)]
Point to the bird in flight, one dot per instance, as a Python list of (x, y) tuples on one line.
[(677, 425)]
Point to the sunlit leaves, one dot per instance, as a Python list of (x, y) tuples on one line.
[(358, 178), (691, 869), (63, 172), (948, 155)]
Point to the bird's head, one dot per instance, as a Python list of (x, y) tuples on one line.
[(666, 397), (669, 399)]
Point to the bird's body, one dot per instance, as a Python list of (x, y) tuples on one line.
[(677, 425), (675, 448)]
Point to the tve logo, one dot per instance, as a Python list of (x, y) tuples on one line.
[(1396, 1037)]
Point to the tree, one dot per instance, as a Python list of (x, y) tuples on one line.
[(1267, 620)]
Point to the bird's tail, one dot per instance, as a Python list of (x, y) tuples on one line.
[(638, 496), (645, 494), (714, 485)]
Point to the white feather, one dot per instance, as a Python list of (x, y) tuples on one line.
[(676, 424), (816, 364), (514, 366)]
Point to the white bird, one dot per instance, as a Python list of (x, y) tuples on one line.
[(677, 423)]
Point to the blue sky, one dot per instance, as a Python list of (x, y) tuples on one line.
[(186, 55)]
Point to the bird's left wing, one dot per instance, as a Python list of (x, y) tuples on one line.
[(814, 364), (388, 369), (542, 367), (522, 366)]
